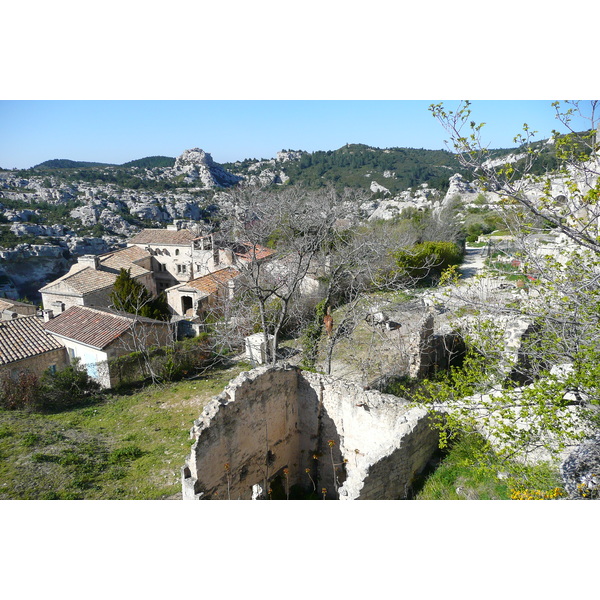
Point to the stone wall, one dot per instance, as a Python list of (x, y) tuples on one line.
[(356, 443), (37, 364)]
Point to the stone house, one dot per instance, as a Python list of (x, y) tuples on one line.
[(11, 309), (179, 254), (95, 336), (26, 347), (196, 296), (90, 281)]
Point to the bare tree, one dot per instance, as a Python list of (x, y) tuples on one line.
[(298, 225)]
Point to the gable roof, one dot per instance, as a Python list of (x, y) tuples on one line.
[(210, 283), (24, 338), (125, 258), (248, 252), (16, 305), (83, 279), (163, 236), (94, 327)]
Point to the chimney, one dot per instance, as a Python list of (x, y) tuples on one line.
[(58, 306), (48, 314), (89, 260)]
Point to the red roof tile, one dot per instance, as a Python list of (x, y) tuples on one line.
[(23, 338), (94, 327), (163, 236), (210, 283), (248, 252)]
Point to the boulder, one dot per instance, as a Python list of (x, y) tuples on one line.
[(581, 470)]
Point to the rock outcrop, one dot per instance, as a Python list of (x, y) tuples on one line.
[(198, 166)]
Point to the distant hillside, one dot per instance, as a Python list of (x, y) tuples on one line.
[(65, 163), (150, 162), (357, 165)]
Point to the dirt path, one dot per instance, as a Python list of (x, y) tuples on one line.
[(473, 262)]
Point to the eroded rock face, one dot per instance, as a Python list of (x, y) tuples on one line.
[(197, 165), (283, 423), (461, 188), (193, 157)]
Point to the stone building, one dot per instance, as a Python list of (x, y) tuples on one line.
[(95, 336), (197, 296), (178, 254), (90, 281), (11, 309), (26, 347)]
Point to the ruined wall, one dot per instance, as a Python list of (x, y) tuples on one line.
[(384, 440), (420, 351), (356, 443), (254, 427)]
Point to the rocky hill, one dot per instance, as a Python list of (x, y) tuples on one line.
[(61, 209)]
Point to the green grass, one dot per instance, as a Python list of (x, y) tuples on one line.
[(469, 471), (131, 446)]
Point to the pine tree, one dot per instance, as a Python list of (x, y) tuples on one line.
[(131, 296)]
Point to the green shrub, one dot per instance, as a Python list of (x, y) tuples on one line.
[(427, 261), (122, 456), (311, 336), (68, 387), (169, 363)]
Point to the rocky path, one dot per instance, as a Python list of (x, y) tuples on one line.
[(473, 262)]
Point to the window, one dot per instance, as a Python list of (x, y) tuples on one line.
[(177, 252), (52, 369)]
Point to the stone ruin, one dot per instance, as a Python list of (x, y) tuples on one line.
[(272, 424)]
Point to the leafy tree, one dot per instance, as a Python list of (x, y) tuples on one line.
[(132, 297), (551, 384)]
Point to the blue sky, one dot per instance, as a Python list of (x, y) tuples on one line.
[(33, 131)]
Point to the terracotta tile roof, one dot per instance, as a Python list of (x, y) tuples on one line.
[(124, 259), (94, 327), (83, 279), (163, 236), (23, 338), (210, 283), (248, 252)]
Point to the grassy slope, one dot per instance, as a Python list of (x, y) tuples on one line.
[(469, 471), (129, 447)]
